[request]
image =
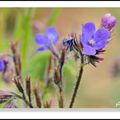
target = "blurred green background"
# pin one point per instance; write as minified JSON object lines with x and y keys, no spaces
{"x":98,"y":89}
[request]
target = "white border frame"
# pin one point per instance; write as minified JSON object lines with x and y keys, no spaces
{"x":71,"y":4}
{"x":60,"y":113}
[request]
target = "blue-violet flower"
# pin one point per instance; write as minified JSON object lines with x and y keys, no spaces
{"x":93,"y":41}
{"x":48,"y":39}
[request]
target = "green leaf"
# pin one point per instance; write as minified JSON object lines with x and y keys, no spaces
{"x":37,"y":65}
{"x":18,"y":26}
{"x":56,"y":12}
{"x":27,"y":33}
{"x":70,"y":71}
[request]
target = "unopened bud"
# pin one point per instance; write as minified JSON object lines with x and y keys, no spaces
{"x":108,"y":21}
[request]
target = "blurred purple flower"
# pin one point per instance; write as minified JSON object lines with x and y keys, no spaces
{"x":108,"y":21}
{"x":48,"y":39}
{"x":93,"y":41}
{"x":36,"y":26}
{"x":115,"y":67}
{"x":7,"y":67}
{"x":2,"y":65}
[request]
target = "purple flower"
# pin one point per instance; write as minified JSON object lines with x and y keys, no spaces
{"x":48,"y":39}
{"x":108,"y":21}
{"x":93,"y":41}
{"x":2,"y":65}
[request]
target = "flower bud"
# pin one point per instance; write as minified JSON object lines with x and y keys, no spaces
{"x":108,"y":21}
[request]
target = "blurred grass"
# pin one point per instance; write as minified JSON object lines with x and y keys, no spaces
{"x":53,"y":17}
{"x":27,"y":33}
{"x":18,"y":26}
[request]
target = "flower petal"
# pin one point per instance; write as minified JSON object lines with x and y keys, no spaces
{"x":88,"y":50}
{"x":42,"y":48}
{"x":41,"y":39}
{"x":100,"y":45}
{"x":101,"y":36}
{"x":2,"y":65}
{"x":83,"y":39}
{"x":52,"y":34}
{"x":88,"y":30}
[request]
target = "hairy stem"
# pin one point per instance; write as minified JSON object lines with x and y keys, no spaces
{"x":77,"y":83}
{"x":61,"y":100}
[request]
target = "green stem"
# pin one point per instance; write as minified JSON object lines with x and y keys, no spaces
{"x":61,"y":101}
